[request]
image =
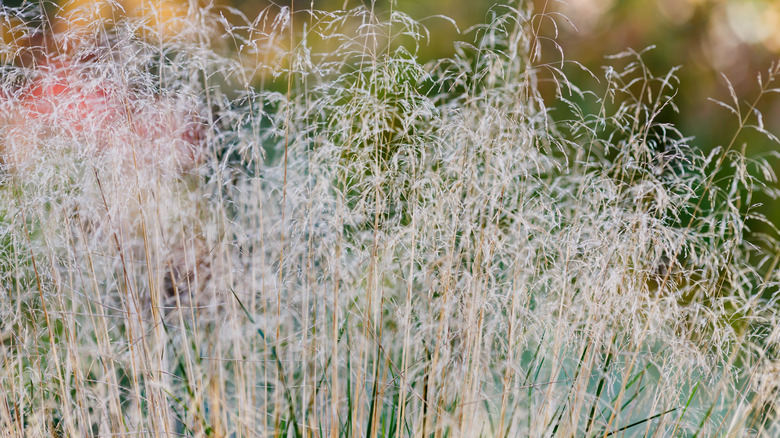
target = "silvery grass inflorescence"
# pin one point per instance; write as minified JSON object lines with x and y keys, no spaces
{"x":293,"y":227}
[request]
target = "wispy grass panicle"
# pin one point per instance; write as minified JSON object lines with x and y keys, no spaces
{"x":292,"y":226}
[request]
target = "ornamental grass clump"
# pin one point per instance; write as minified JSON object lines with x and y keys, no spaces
{"x":293,"y":227}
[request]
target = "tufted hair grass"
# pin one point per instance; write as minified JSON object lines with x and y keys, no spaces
{"x":291,"y":226}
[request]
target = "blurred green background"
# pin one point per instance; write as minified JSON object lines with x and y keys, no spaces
{"x":707,"y":39}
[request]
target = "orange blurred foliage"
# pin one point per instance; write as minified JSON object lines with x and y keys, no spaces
{"x":162,"y":18}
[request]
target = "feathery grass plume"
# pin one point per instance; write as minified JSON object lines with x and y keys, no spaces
{"x":293,"y":227}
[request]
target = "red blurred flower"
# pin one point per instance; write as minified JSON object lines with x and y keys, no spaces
{"x":69,"y":99}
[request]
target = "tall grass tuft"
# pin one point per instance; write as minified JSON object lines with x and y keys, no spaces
{"x":293,"y":227}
